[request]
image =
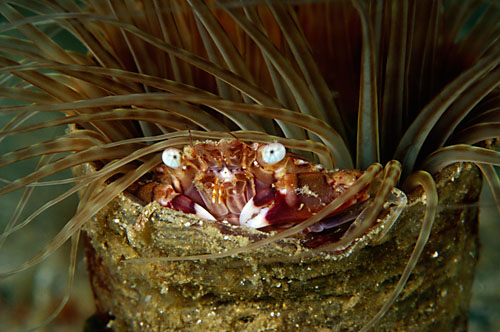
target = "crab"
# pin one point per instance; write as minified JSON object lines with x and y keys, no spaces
{"x":255,"y":185}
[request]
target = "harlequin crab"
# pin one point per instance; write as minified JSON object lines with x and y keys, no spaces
{"x":255,"y":185}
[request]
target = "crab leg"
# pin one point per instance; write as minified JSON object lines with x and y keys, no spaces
{"x":364,"y":221}
{"x":336,"y":221}
{"x":167,"y":196}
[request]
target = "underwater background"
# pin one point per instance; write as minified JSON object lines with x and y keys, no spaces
{"x":30,"y":297}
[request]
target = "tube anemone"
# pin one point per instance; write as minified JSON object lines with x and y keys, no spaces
{"x":345,"y":83}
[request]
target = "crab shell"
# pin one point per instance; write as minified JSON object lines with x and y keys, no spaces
{"x":254,"y":185}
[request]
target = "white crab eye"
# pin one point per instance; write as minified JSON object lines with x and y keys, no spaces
{"x":272,"y":153}
{"x":171,"y":157}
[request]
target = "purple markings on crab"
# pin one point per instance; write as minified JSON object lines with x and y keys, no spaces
{"x":184,"y":204}
{"x":264,"y":196}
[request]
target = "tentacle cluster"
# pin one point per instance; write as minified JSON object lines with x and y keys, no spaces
{"x":150,"y":75}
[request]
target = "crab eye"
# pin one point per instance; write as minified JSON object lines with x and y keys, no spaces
{"x":272,"y":153}
{"x":171,"y":157}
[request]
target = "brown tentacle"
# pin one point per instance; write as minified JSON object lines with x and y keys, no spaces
{"x":424,"y":179}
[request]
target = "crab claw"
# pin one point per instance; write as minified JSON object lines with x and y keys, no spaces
{"x":254,"y":216}
{"x":184,"y":204}
{"x":255,"y":210}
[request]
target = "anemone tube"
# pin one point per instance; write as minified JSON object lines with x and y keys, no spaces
{"x":348,"y":83}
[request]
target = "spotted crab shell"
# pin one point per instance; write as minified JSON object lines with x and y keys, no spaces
{"x":255,"y":185}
